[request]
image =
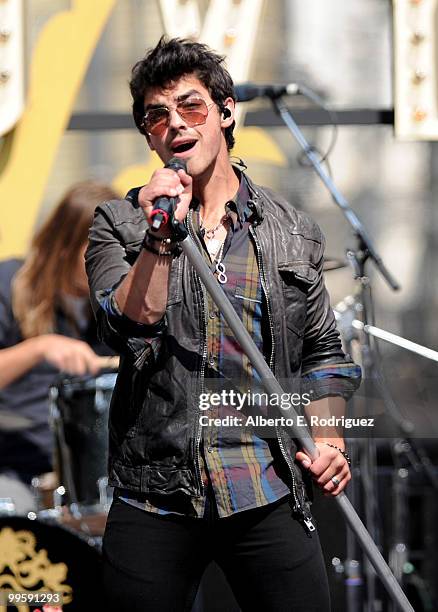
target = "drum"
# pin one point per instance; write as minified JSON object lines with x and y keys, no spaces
{"x":79,"y":415}
{"x":38,"y":556}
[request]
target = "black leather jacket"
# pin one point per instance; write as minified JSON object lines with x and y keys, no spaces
{"x":154,"y":419}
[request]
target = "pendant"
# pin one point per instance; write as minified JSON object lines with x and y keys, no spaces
{"x":221,"y":276}
{"x":213,"y":246}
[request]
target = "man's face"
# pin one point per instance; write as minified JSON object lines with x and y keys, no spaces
{"x":199,"y":145}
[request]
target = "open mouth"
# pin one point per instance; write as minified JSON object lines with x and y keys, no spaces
{"x":183,"y":147}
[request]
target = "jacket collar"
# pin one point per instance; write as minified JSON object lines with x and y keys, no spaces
{"x":255,"y":201}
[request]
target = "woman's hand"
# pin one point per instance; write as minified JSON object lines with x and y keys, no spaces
{"x":69,"y":355}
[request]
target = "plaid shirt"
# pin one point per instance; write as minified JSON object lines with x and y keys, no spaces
{"x":243,"y":473}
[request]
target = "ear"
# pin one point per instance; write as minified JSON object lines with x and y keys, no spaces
{"x":227,"y":116}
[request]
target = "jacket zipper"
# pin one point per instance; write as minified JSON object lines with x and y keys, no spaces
{"x":307,"y":518}
{"x":197,"y":436}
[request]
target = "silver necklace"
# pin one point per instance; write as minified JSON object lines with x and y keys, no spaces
{"x":213,"y":244}
{"x":209,"y":233}
{"x":220,"y":267}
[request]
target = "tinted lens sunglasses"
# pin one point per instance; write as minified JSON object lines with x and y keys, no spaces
{"x":193,"y":110}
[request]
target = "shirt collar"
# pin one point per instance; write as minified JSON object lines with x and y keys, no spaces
{"x":237,"y":207}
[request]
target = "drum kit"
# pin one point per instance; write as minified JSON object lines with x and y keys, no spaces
{"x":57,"y":547}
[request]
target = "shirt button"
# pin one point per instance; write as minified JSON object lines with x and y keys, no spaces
{"x":213,"y":314}
{"x":210,"y":449}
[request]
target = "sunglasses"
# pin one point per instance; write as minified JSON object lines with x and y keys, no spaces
{"x":193,"y":110}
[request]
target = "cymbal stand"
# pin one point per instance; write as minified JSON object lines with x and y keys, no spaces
{"x":405,"y":449}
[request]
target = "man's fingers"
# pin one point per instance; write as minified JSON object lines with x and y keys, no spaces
{"x":331,"y":489}
{"x":304,"y":459}
{"x":164,"y":182}
{"x":330,"y":484}
{"x":185,"y":178}
{"x":328,"y":456}
{"x":146,"y":198}
{"x":327,"y":466}
{"x":318,"y":467}
{"x":334,"y":468}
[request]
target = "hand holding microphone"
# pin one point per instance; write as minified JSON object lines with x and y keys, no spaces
{"x":164,"y":207}
{"x":169,"y":191}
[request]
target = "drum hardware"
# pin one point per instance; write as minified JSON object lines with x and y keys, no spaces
{"x":346,"y":314}
{"x":10,"y":422}
{"x":91,"y":525}
{"x":44,"y":488}
{"x":58,"y":497}
{"x":79,"y":409}
{"x":406,"y":450}
{"x":105,"y":492}
{"x":333,"y":263}
{"x":89,"y":521}
{"x":61,"y":446}
{"x":7,"y":506}
{"x":55,"y":511}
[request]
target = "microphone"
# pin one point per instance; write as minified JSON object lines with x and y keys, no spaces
{"x":164,"y":205}
{"x":248,"y":91}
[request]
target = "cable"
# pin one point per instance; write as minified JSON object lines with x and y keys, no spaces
{"x":318,"y":101}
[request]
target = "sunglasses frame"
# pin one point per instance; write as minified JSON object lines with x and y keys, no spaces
{"x":172,"y":108}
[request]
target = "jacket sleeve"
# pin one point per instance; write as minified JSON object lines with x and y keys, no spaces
{"x":114,"y":242}
{"x":326,"y":369}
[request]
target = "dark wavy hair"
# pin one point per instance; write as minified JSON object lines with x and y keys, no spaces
{"x":172,"y":59}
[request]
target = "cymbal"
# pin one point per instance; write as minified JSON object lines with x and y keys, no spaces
{"x":333,"y":263}
{"x":9,"y":421}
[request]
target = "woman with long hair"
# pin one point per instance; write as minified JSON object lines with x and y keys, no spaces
{"x":46,"y":327}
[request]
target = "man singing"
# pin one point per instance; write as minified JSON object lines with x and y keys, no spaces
{"x":185,"y":494}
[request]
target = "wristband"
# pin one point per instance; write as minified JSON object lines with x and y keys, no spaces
{"x":151,"y":243}
{"x":151,"y":236}
{"x":151,"y":249}
{"x":343,"y":453}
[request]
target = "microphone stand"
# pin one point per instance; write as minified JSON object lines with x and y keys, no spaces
{"x":354,"y":582}
{"x":364,"y":251}
{"x":365,"y":248}
{"x":272,"y":386}
{"x":367,"y":446}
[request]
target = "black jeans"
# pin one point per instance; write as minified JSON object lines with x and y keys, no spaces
{"x":155,"y":563}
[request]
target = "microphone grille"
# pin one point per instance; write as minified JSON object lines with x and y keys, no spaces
{"x":176,"y":163}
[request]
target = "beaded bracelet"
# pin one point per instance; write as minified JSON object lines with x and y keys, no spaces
{"x":343,"y":453}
